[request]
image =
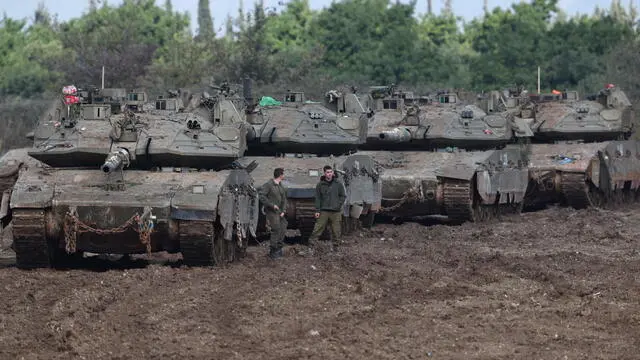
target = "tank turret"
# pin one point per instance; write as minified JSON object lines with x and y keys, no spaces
{"x":159,"y":132}
{"x":562,"y":115}
{"x":298,"y":125}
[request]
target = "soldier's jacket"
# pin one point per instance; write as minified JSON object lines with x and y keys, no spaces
{"x":330,"y":196}
{"x":273,"y":194}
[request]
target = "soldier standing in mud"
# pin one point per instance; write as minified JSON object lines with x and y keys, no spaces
{"x":330,"y":197}
{"x":273,"y":197}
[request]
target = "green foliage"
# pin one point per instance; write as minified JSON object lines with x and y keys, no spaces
{"x":183,"y":61}
{"x":123,"y":39}
{"x":27,"y":57}
{"x":354,"y":41}
{"x":205,"y":22}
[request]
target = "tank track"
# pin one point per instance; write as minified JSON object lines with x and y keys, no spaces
{"x":30,"y":241}
{"x":576,"y":191}
{"x":459,"y":204}
{"x":458,"y":200}
{"x":197,"y":242}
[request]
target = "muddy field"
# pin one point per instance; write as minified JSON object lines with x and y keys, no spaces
{"x":557,"y":284}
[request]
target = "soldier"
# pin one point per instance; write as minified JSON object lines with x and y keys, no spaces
{"x":273,"y":197}
{"x":330,"y":197}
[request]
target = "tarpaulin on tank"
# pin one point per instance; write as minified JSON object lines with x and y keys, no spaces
{"x":269,"y":101}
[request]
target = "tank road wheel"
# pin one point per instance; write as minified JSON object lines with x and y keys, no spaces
{"x":580,"y":194}
{"x":197,"y":242}
{"x":30,"y":240}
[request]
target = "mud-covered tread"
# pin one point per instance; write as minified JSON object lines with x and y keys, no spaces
{"x":458,"y":200}
{"x":197,"y":242}
{"x":575,"y":190}
{"x":29,"y":239}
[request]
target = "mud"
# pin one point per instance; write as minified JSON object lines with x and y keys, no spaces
{"x":556,"y":284}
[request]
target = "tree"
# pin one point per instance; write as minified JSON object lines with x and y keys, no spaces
{"x":28,"y":57}
{"x":182,"y":62}
{"x":205,"y":22}
{"x":123,"y":39}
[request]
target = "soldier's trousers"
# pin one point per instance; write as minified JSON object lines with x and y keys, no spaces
{"x":278,"y":227}
{"x":331,"y":218}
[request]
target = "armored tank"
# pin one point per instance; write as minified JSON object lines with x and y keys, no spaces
{"x":430,"y":165}
{"x":581,"y":153}
{"x":304,"y":144}
{"x":465,"y":186}
{"x":297,"y":125}
{"x":148,"y":177}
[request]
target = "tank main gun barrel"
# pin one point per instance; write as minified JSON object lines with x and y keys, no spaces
{"x":117,"y":159}
{"x":396,"y":135}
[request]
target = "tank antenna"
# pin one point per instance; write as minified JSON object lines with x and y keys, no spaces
{"x":103,"y":76}
{"x":538,"y":80}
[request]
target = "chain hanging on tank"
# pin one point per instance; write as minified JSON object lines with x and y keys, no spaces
{"x":142,"y":224}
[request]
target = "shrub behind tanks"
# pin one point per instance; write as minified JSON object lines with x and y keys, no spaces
{"x":123,"y":182}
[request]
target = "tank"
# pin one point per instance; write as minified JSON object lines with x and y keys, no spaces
{"x":429,"y":158}
{"x":581,"y":155}
{"x":149,"y":177}
{"x":471,"y":186}
{"x":297,"y":125}
{"x":303,"y":141}
{"x":358,"y":173}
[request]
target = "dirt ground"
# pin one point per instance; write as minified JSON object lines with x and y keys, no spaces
{"x":556,"y":284}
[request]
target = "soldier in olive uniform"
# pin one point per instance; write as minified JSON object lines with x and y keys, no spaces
{"x":330,"y":197}
{"x":273,"y":197}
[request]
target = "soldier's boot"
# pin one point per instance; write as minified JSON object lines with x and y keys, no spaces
{"x":275,"y":253}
